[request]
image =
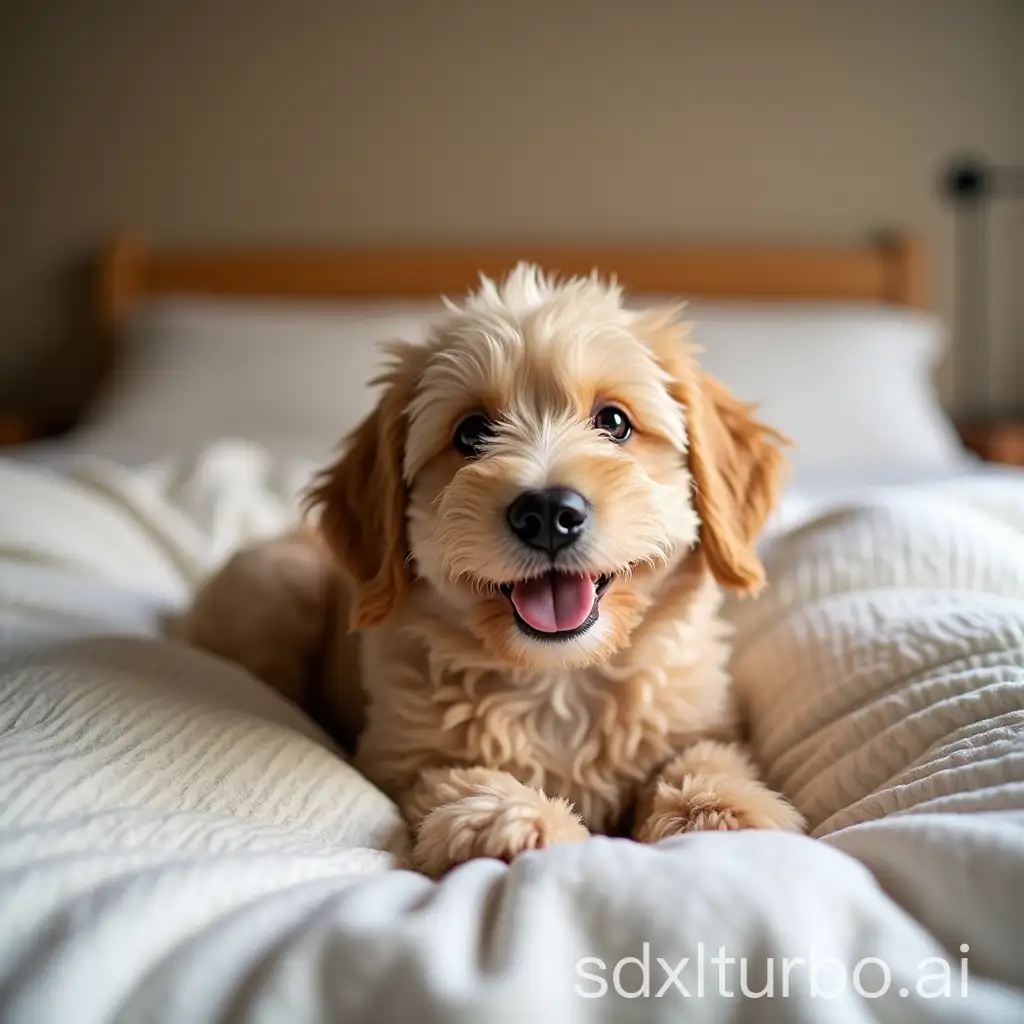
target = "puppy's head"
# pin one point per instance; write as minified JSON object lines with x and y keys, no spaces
{"x":543,"y":465}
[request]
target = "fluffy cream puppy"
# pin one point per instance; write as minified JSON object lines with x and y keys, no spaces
{"x":529,"y":537}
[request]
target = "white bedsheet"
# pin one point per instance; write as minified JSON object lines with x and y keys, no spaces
{"x":178,"y":844}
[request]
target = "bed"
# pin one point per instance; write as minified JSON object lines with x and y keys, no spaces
{"x":177,"y":843}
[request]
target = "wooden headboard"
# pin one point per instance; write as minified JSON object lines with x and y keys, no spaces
{"x":890,"y":271}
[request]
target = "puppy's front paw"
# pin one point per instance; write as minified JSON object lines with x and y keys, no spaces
{"x":703,"y":803}
{"x":496,"y":825}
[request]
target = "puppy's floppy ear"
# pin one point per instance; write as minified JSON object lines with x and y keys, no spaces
{"x":737,"y":464}
{"x":361,"y":499}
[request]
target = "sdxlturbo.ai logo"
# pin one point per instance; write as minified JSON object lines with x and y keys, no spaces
{"x":822,"y":977}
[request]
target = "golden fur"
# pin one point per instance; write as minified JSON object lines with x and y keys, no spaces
{"x":492,"y":741}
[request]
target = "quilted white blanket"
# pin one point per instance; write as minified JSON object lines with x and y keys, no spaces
{"x":178,"y":844}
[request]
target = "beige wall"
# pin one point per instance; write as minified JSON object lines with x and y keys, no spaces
{"x":324,"y":120}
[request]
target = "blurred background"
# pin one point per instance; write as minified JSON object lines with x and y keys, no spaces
{"x":333,"y":121}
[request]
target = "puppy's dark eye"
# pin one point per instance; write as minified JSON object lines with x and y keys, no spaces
{"x":471,"y":434}
{"x":614,"y":422}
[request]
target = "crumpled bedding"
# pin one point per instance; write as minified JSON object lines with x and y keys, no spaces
{"x":177,"y":843}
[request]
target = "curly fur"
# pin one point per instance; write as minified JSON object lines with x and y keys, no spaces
{"x":492,"y":741}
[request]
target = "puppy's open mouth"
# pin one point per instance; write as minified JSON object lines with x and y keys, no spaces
{"x":557,"y":605}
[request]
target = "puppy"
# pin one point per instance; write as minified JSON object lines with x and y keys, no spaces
{"x":530,"y":537}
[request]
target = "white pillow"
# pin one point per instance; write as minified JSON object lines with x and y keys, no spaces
{"x":292,"y":377}
{"x":850,"y":385}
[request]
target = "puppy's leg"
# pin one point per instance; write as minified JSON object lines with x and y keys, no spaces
{"x":268,"y":610}
{"x":458,"y":814}
{"x":711,"y":785}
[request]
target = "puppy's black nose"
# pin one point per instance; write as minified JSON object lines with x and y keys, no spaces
{"x":548,"y":520}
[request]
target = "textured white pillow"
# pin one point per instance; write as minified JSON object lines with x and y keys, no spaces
{"x":850,"y":384}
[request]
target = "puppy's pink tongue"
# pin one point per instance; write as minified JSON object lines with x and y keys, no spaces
{"x":555,"y":603}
